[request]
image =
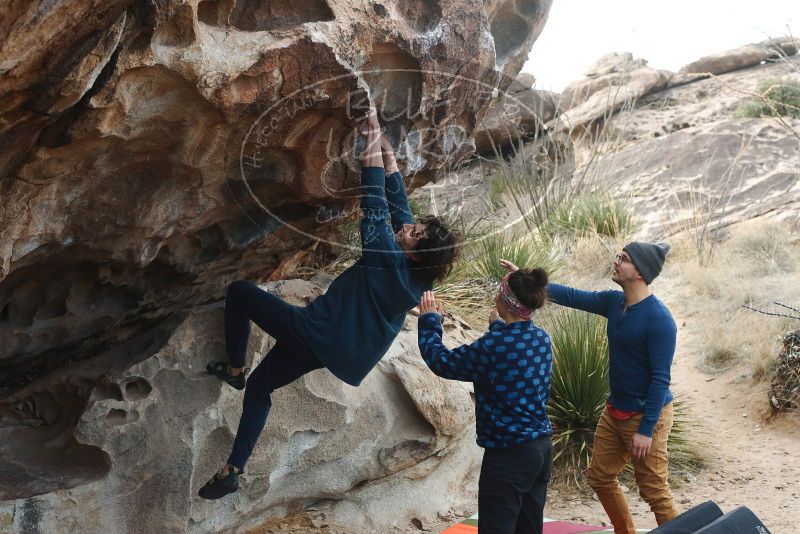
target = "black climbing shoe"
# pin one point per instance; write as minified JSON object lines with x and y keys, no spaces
{"x":220,"y":370}
{"x":218,"y":487}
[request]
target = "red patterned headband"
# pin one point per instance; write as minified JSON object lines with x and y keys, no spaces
{"x":510,"y":300}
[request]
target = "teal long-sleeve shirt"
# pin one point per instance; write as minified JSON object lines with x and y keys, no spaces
{"x":354,"y":323}
{"x":641,"y":346}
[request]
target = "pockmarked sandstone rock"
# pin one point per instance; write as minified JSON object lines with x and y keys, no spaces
{"x":153,"y":152}
{"x":123,"y":442}
{"x":695,"y":101}
{"x":683,"y":148}
{"x":611,"y":69}
{"x":750,"y":165}
{"x":618,"y":80}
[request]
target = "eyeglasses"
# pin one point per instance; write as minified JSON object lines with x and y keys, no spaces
{"x":619,"y":258}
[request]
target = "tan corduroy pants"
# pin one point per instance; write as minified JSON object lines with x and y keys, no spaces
{"x":610,"y":454}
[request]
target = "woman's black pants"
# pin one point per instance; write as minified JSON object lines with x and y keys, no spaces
{"x":513,"y":488}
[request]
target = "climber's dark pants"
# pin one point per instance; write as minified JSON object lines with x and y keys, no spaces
{"x":288,"y":360}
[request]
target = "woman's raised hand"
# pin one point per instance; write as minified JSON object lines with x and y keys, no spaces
{"x":508,"y":266}
{"x":428,"y":304}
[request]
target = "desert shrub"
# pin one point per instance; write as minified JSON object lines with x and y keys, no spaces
{"x":713,"y":283}
{"x":784,"y":391}
{"x":419,"y":206}
{"x":537,"y":180}
{"x":592,"y":214}
{"x":730,"y":334}
{"x":497,"y":189}
{"x":754,"y":267}
{"x":762,"y":248}
{"x":518,"y":247}
{"x":776,"y":98}
{"x":592,"y":256}
{"x":470,"y":289}
{"x":717,"y":357}
{"x":346,"y":252}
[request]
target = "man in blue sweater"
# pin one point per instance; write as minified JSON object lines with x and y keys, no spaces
{"x":638,"y":414}
{"x":349,"y":328}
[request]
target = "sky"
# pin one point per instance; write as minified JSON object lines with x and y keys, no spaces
{"x":667,"y":34}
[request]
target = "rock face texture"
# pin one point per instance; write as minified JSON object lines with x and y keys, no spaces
{"x":124,"y":448}
{"x":617,"y":81}
{"x":151,"y":152}
{"x":744,"y":56}
{"x":674,"y":146}
{"x":612,"y":82}
{"x":727,"y":171}
{"x":683,"y":150}
{"x":520,"y":113}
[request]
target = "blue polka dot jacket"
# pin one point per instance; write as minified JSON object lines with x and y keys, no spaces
{"x":510,"y":368}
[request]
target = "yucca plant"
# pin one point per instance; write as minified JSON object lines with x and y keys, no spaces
{"x":578,"y":386}
{"x":497,"y":188}
{"x":593,"y":214}
{"x":519,"y":248}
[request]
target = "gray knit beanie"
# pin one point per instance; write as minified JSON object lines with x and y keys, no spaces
{"x":648,"y":258}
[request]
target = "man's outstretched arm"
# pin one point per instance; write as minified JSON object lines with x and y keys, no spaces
{"x":396,"y":195}
{"x":376,"y":236}
{"x":589,"y":301}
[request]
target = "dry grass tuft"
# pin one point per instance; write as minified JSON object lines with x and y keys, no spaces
{"x":755,"y":266}
{"x":592,"y":256}
{"x":762,"y":248}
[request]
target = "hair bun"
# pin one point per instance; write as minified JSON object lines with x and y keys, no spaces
{"x":535,"y":277}
{"x":529,"y":286}
{"x":540,"y":276}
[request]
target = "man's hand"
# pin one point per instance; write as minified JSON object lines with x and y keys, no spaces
{"x":372,"y":156}
{"x":494,"y":316}
{"x":640,"y":446}
{"x":372,"y":117}
{"x":369,"y":123}
{"x":428,"y":304}
{"x":389,"y":161}
{"x":508,"y":266}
